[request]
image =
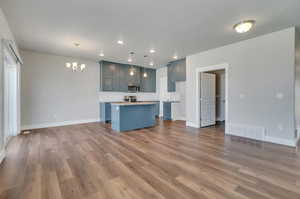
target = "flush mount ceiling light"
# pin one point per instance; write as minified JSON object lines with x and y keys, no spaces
{"x":75,"y":67}
{"x":76,"y":44}
{"x":101,"y":54}
{"x":120,"y":42}
{"x":244,"y":26}
{"x":152,"y":51}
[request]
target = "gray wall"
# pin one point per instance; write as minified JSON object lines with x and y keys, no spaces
{"x":262,"y":70}
{"x":52,"y":94}
{"x":5,"y":33}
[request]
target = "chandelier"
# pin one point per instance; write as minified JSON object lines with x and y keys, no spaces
{"x":76,"y":67}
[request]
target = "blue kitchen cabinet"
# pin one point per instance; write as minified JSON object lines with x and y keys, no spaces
{"x":107,"y":84}
{"x":117,"y":77}
{"x":108,"y":76}
{"x":105,"y":111}
{"x":123,"y":78}
{"x":157,"y":108}
{"x":148,"y":82}
{"x":171,"y":78}
{"x":131,"y":117}
{"x":152,"y":80}
{"x":133,"y":73}
{"x":176,"y":72}
{"x":167,"y":111}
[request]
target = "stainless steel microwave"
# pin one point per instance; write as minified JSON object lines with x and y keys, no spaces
{"x":133,"y":88}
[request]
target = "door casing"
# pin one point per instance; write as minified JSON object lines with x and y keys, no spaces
{"x":199,"y":70}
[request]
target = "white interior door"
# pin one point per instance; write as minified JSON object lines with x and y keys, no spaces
{"x":207,"y":99}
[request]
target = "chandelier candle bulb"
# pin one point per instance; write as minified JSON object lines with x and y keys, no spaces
{"x":68,"y":65}
{"x":82,"y":67}
{"x":75,"y":66}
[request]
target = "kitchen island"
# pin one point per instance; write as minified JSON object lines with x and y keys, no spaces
{"x":126,"y":116}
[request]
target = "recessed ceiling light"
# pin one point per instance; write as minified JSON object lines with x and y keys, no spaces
{"x":120,"y":42}
{"x":129,"y":60}
{"x":175,"y":57}
{"x":101,"y":54}
{"x":151,"y":63}
{"x":244,"y":26}
{"x":152,"y":51}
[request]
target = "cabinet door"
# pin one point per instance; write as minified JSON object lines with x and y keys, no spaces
{"x":107,"y":69}
{"x":152,"y":80}
{"x":116,"y":77}
{"x":171,"y":78}
{"x":123,"y":77}
{"x":143,"y":80}
{"x":137,"y":76}
{"x":181,"y":70}
{"x":134,"y":79}
{"x":107,"y":84}
{"x":148,"y":83}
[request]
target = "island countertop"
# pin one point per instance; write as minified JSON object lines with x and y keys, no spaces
{"x":132,"y":103}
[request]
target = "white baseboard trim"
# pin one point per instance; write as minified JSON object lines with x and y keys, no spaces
{"x":179,"y":118}
{"x":298,"y":136}
{"x":281,"y":141}
{"x":55,"y":124}
{"x":274,"y":140}
{"x":2,"y":155}
{"x":191,"y":124}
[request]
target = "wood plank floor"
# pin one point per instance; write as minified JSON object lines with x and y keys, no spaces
{"x":169,"y":161}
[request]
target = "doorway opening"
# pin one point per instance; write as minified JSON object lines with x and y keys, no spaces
{"x":11,"y":81}
{"x":212,"y":92}
{"x":212,"y":98}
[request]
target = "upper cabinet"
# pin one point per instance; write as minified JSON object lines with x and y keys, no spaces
{"x":117,"y":77}
{"x":176,"y":72}
{"x":133,"y":73}
{"x":148,"y":80}
{"x":109,"y":73}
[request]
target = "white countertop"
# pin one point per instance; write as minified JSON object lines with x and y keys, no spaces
{"x":132,"y":103}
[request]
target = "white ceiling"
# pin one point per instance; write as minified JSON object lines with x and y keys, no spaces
{"x":171,"y":27}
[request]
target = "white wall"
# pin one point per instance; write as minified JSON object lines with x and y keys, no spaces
{"x":261,"y":83}
{"x":52,"y":94}
{"x":297,"y":87}
{"x":6,"y":34}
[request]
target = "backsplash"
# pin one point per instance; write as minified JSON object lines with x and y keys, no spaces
{"x":119,"y":96}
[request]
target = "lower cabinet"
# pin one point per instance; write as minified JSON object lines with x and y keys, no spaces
{"x":105,"y":111}
{"x":167,"y":108}
{"x":157,"y":104}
